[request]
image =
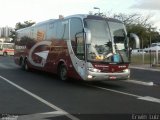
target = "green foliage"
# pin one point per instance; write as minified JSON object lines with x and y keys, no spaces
{"x":13,"y":35}
{"x":140,"y":25}
{"x":18,"y":26}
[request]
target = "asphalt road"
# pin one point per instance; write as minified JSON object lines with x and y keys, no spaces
{"x":39,"y":96}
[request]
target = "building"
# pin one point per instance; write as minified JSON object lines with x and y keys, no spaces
{"x":5,"y":32}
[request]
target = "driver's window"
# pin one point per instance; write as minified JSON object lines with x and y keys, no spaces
{"x":76,"y":36}
{"x":80,"y":46}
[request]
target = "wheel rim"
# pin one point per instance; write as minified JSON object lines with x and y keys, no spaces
{"x":5,"y":54}
{"x":26,"y":65}
{"x":63,"y":73}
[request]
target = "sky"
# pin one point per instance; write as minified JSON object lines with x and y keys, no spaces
{"x":14,"y":11}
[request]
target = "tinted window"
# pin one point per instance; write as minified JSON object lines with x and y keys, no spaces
{"x":51,"y":31}
{"x":76,"y":27}
{"x":77,"y":41}
{"x":62,"y":30}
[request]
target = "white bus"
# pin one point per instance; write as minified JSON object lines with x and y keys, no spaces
{"x":6,"y":49}
{"x":83,"y":47}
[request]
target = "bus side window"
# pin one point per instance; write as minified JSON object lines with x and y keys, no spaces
{"x":62,"y":30}
{"x":51,"y":31}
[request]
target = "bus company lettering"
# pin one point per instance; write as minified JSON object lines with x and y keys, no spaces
{"x":20,"y":47}
{"x":122,"y":66}
{"x":101,"y":66}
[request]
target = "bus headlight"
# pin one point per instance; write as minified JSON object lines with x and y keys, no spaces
{"x":94,"y":70}
{"x":126,"y":70}
{"x":90,"y":76}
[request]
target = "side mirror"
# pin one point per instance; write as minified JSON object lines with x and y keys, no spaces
{"x":134,"y":37}
{"x":88,"y":36}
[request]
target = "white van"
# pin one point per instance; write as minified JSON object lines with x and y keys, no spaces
{"x":138,"y":51}
{"x":155,"y":44}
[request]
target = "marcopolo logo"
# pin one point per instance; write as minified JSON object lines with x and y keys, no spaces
{"x":41,"y":53}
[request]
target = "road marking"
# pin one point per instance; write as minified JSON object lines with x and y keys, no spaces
{"x":40,"y":99}
{"x":41,"y":116}
{"x":148,"y":98}
{"x":116,"y":91}
{"x":140,"y":82}
{"x":54,"y":112}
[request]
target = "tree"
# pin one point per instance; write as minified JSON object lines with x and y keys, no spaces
{"x":136,"y":23}
{"x":18,"y":26}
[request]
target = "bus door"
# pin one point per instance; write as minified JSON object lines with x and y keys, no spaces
{"x":76,"y":43}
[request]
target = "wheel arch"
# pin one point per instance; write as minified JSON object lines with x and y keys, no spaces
{"x":60,"y":63}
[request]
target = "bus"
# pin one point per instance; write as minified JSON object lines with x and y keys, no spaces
{"x":82,"y":47}
{"x":6,"y":48}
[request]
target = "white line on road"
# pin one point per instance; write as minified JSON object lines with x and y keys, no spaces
{"x":115,"y":91}
{"x":146,"y":98}
{"x":140,"y":82}
{"x":41,"y":116}
{"x":40,"y":99}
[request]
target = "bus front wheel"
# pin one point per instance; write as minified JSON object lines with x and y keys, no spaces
{"x":62,"y":72}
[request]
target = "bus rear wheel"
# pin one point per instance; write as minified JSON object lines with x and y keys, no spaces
{"x":26,"y":67}
{"x":24,"y":64}
{"x":62,"y":72}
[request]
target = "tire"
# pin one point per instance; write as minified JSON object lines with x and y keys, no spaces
{"x":62,"y":72}
{"x":21,"y":63}
{"x":25,"y":65}
{"x":5,"y":54}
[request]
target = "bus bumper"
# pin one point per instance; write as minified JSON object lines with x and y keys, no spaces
{"x":99,"y":76}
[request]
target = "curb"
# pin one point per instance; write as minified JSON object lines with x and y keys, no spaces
{"x":145,"y":68}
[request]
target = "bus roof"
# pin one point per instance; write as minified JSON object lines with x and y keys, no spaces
{"x":82,"y":16}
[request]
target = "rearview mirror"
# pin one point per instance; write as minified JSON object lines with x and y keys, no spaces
{"x":136,"y":41}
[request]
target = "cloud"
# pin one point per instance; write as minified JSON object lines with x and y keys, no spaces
{"x":147,"y":4}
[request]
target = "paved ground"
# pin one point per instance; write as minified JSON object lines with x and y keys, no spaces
{"x":40,"y":96}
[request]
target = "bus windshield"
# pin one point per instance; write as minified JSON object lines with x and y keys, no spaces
{"x":119,"y":35}
{"x":102,"y":46}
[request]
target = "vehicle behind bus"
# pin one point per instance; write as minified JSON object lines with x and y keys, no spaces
{"x":6,"y":49}
{"x":83,"y":47}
